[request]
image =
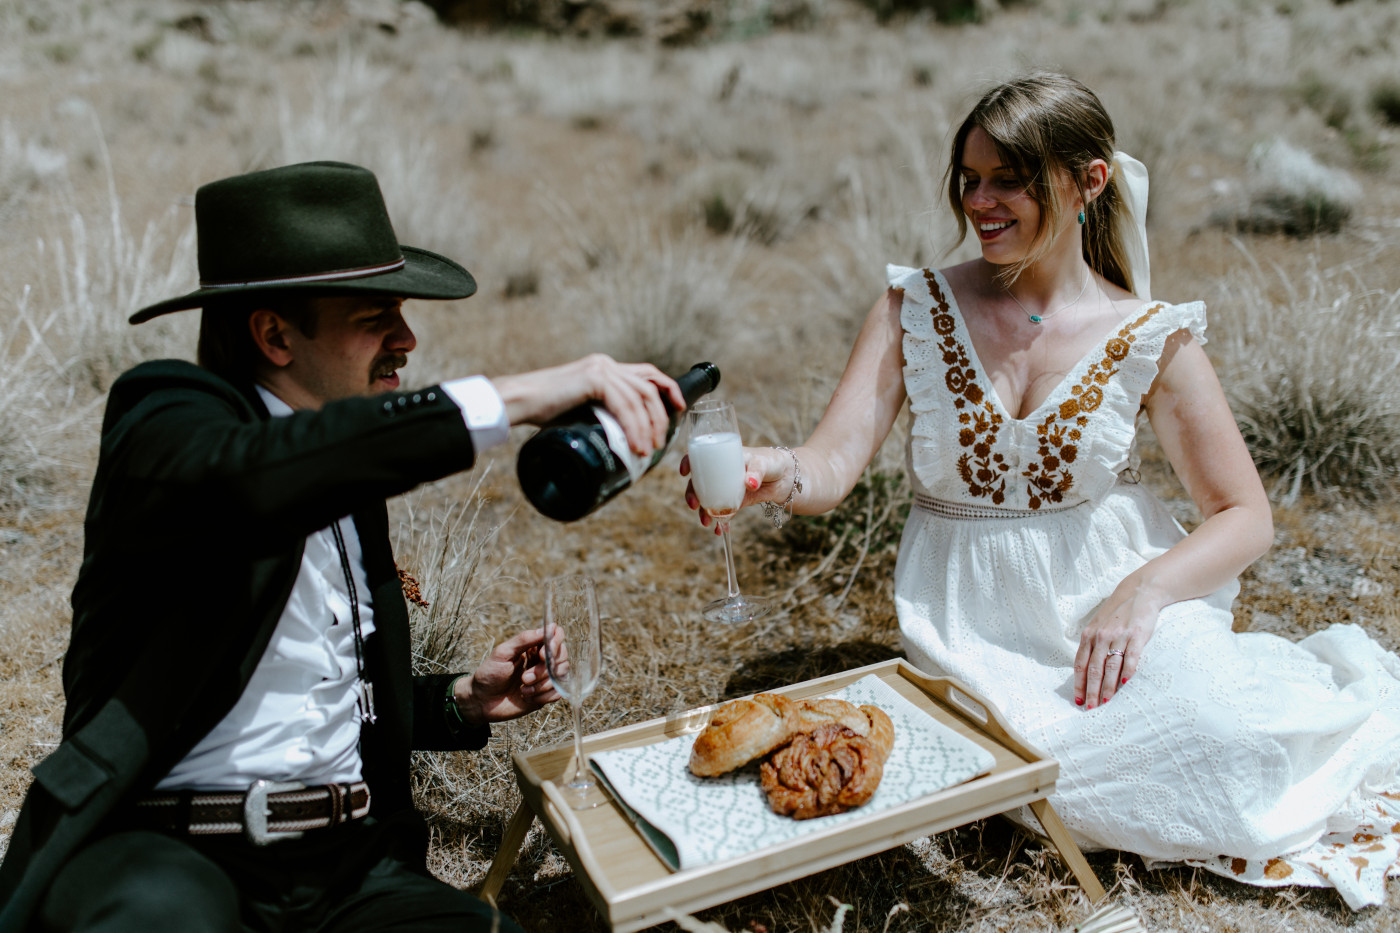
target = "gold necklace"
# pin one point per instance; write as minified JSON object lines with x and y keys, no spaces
{"x":1040,"y":318}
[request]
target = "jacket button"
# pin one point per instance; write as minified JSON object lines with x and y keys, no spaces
{"x":417,"y":398}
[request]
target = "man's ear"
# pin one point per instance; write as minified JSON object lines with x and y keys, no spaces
{"x":269,"y":332}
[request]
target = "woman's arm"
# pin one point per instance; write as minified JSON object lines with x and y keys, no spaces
{"x":1197,"y":432}
{"x":857,"y":420}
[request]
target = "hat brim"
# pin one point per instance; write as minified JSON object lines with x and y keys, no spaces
{"x":424,"y":274}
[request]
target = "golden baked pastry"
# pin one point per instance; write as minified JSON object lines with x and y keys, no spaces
{"x":881,"y":732}
{"x":740,"y":731}
{"x":828,"y":756}
{"x":813,"y":713}
{"x":829,"y":770}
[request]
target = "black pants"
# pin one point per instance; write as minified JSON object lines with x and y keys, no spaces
{"x":343,"y":880}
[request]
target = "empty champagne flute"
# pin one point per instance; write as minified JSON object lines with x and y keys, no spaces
{"x":717,"y":472}
{"x":573,"y":653}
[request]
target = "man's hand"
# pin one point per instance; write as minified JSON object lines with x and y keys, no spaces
{"x":510,"y":682}
{"x":632,"y":392}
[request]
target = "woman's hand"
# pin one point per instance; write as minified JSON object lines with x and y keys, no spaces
{"x":1112,"y":643}
{"x":767,"y":478}
{"x":1197,"y":432}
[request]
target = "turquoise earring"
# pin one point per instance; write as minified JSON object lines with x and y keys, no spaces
{"x":1081,"y":218}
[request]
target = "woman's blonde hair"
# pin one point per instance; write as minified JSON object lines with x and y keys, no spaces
{"x":1043,"y":124}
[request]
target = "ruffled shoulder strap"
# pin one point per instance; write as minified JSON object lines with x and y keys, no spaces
{"x":903,"y":276}
{"x":1173,"y":318}
{"x":925,"y":318}
{"x":1141,"y":339}
{"x":1109,"y":394}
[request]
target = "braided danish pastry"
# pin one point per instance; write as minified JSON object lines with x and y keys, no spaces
{"x":829,"y":770}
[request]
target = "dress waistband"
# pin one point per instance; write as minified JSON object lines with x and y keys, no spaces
{"x":967,"y":511}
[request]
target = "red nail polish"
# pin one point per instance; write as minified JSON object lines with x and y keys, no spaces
{"x":1123,"y":681}
{"x":1078,"y":701}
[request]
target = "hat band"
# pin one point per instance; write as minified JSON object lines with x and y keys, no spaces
{"x":319,"y":277}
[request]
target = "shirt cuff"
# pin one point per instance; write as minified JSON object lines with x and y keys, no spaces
{"x":482,"y":410}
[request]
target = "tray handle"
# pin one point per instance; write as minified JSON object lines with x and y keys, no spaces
{"x":568,"y":833}
{"x":976,"y":707}
{"x":968,"y":705}
{"x":557,"y":813}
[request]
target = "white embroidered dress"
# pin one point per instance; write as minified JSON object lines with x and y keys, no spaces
{"x":1226,"y":750}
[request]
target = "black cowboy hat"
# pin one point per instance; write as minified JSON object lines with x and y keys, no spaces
{"x":316,"y":226}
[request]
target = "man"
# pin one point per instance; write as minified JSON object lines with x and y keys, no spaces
{"x":240,"y":709}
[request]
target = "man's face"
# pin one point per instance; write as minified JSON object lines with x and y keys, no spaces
{"x":360,"y":342}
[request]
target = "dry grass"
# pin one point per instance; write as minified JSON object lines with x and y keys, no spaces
{"x":736,"y":201}
{"x":1316,"y":419}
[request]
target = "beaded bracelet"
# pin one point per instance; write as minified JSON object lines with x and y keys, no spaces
{"x":779,"y":514}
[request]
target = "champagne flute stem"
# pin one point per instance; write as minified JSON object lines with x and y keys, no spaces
{"x":729,"y":559}
{"x":580,"y":777}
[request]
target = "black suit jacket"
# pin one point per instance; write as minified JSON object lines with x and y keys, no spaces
{"x":193,"y":538}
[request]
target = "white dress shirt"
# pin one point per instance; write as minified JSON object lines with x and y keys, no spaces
{"x":297,"y":719}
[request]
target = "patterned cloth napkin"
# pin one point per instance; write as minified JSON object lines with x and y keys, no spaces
{"x":690,"y":821}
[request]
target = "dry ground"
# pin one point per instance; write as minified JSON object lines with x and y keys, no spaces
{"x":732,"y":201}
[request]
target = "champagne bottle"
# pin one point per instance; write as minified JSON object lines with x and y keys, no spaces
{"x":580,"y":460}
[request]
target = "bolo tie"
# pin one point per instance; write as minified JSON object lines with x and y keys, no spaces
{"x":364,"y":690}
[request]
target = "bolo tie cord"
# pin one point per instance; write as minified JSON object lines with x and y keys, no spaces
{"x":366,"y":690}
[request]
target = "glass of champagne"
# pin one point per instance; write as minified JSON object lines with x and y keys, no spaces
{"x":573,"y":653}
{"x":717,"y":473}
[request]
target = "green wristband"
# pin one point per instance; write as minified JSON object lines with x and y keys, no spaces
{"x":450,"y":701}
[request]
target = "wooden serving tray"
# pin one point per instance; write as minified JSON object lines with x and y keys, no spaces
{"x":633,"y":889}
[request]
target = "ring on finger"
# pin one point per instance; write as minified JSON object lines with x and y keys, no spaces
{"x":1115,"y":651}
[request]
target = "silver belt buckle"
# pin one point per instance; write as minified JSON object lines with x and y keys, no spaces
{"x":255,"y":812}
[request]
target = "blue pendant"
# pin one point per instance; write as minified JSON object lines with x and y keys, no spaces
{"x":1036,"y":318}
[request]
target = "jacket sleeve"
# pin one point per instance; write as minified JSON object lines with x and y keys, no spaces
{"x":435,"y":728}
{"x":174,"y":431}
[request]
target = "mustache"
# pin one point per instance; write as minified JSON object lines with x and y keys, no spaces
{"x":388,"y":365}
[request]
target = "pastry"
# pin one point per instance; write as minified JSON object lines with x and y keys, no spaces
{"x":815,"y":712}
{"x":740,"y":731}
{"x":829,"y":770}
{"x":823,"y":756}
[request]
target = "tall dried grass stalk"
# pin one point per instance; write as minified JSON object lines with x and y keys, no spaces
{"x":38,"y":413}
{"x":450,"y":551}
{"x":1311,"y":358}
{"x":892,"y":209}
{"x":348,"y":117}
{"x":641,"y":291}
{"x":66,"y":337}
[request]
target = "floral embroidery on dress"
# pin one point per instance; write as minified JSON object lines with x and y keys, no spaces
{"x":980,"y":466}
{"x":1049,"y":478}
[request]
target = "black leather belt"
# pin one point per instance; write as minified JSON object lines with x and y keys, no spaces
{"x":268,"y":811}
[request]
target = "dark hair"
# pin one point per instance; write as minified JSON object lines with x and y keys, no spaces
{"x":1044,"y":124}
{"x":226,"y":346}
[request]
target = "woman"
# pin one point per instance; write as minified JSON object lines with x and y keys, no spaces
{"x":1035,"y":569}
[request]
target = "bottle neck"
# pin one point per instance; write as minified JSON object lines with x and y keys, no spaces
{"x":698,"y":381}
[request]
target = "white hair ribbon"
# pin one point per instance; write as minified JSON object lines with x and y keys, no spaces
{"x":1133,"y":186}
